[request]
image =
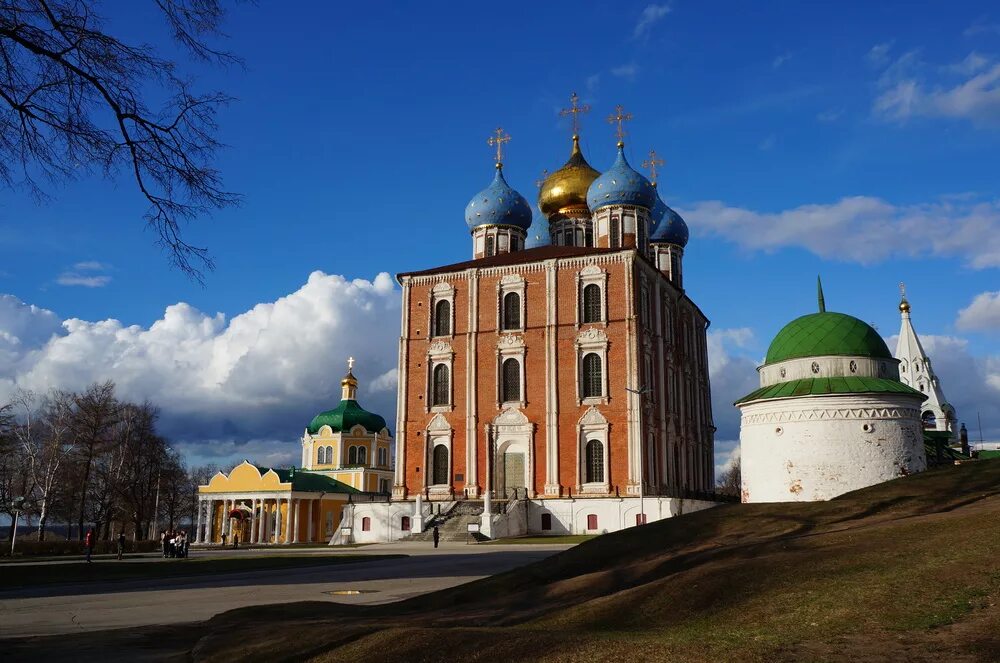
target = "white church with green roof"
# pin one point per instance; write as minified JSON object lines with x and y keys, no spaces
{"x":831,"y":414}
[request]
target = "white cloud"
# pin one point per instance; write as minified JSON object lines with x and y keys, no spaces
{"x":651,"y":15}
{"x":983,"y":314}
{"x":262,"y":375}
{"x":727,"y":452}
{"x":74,"y":278}
{"x":982,"y":28}
{"x":626,"y":71}
{"x":767,"y":143}
{"x":732,"y":376}
{"x":908,"y":89}
{"x":592,"y":82}
{"x":780,"y":60}
{"x":879,"y":54}
{"x":862,"y":229}
{"x":86,"y":274}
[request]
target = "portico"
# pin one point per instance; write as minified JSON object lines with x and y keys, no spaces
{"x":256,"y":505}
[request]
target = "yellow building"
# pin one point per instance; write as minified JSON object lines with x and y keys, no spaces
{"x":346,"y":453}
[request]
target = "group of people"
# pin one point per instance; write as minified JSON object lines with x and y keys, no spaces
{"x":175,"y":544}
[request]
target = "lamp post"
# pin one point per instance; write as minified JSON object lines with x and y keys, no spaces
{"x":639,"y":392}
{"x":16,"y":507}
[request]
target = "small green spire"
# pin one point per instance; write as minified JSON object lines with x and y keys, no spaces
{"x":819,"y":294}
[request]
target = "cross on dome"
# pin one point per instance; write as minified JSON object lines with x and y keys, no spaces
{"x":575,"y":110}
{"x":350,"y":364}
{"x":651,"y":163}
{"x":498,"y":140}
{"x":620,"y":116}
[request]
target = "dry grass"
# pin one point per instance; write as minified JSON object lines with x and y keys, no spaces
{"x":901,"y":571}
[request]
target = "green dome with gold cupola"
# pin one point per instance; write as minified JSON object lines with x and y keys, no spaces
{"x":348,"y":412}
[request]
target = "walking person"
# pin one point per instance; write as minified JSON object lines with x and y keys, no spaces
{"x":88,"y":543}
{"x":163,"y":543}
{"x":121,"y":545}
{"x":437,"y":536}
{"x":236,"y":540}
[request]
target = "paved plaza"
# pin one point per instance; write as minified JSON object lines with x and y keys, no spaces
{"x":99,"y":605}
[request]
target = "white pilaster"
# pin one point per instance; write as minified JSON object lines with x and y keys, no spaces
{"x":295,"y":521}
{"x":551,"y":382}
{"x":471,"y":395}
{"x":253,"y":520}
{"x":399,"y":489}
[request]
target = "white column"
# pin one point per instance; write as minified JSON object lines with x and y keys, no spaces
{"x":253,"y":520}
{"x":197,"y":531}
{"x":265,"y":517}
{"x":277,"y":519}
{"x":309,"y":515}
{"x":295,"y":528}
{"x":224,"y":530}
{"x":398,"y":490}
{"x":210,"y":525}
{"x":289,"y":514}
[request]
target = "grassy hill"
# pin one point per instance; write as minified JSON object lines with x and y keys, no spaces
{"x":909,"y":570}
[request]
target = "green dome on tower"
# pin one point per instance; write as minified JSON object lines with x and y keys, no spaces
{"x":826,"y":334}
{"x":348,"y":413}
{"x":345,"y":416}
{"x":822,"y":334}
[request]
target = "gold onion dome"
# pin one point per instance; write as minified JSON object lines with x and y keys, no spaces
{"x":565,"y":190}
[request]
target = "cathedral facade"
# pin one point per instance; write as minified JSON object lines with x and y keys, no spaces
{"x":572,"y":371}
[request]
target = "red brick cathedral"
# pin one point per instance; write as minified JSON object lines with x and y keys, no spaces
{"x":577,"y":369}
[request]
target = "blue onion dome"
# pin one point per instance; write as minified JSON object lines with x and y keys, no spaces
{"x":621,"y":185}
{"x":498,"y":204}
{"x":668,"y":226}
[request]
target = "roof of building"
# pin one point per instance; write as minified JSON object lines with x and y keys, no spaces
{"x":547,"y":252}
{"x":310,"y":482}
{"x":567,"y":187}
{"x":539,"y":254}
{"x":826,"y":333}
{"x":621,"y":184}
{"x":346,"y":416}
{"x":848,"y":384}
{"x":499,"y":204}
{"x":668,"y":226}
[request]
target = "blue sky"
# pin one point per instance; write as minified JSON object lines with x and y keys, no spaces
{"x":857,"y":140}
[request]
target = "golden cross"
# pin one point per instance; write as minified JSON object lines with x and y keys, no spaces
{"x":499,"y":139}
{"x":545,"y":174}
{"x":350,"y":364}
{"x":620,"y":116}
{"x":902,"y":289}
{"x":575,"y":110}
{"x":652,"y":162}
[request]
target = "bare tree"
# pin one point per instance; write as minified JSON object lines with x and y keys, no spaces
{"x":44,"y":433}
{"x":729,"y":482}
{"x":72,"y":100}
{"x":96,"y":415}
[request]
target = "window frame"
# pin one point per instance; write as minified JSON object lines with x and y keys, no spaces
{"x":592,"y":275}
{"x":505,"y":380}
{"x":434,"y":464}
{"x":511,"y":283}
{"x":507,"y":312}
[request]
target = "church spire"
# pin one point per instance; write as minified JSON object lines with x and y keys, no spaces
{"x":915,"y":370}
{"x":819,"y":294}
{"x":349,"y":385}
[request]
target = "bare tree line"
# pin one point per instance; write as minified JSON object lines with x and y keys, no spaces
{"x":88,"y":459}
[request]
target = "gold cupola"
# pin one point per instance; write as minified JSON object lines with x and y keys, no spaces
{"x":564,"y":192}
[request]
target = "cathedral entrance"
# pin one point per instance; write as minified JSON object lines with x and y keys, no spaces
{"x":513,"y":473}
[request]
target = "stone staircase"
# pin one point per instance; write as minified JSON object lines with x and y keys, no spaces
{"x":453,"y":525}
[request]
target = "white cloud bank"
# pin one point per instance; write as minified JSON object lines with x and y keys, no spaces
{"x":221,"y":385}
{"x":650,"y":16}
{"x":907,"y":88}
{"x":983,"y":314}
{"x":862,"y":229}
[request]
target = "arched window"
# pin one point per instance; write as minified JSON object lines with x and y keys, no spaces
{"x":512,"y":311}
{"x":366,"y":524}
{"x":592,"y":303}
{"x":615,"y":238}
{"x":362,"y":455}
{"x":489,"y":246}
{"x":440,"y":391}
{"x":929,"y":418}
{"x":511,"y":380}
{"x":442,"y":318}
{"x":440,"y":464}
{"x":595,"y":462}
{"x":352,"y":456}
{"x":382,"y":458}
{"x":321,"y":456}
{"x":592,"y":382}
{"x":404,"y":523}
{"x":515,"y":243}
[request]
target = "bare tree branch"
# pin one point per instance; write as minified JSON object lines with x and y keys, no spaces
{"x":71,"y":101}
